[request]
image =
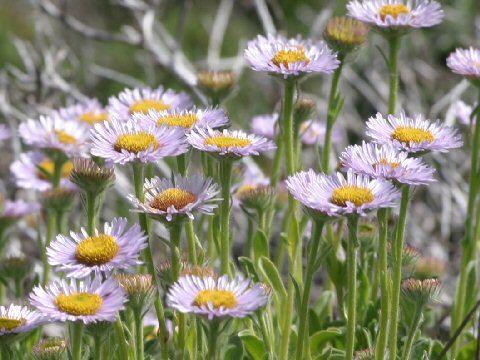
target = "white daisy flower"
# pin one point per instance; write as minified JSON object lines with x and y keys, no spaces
{"x":15,"y":209}
{"x":80,"y":254}
{"x":90,"y":112}
{"x":464,"y":113}
{"x":18,"y":320}
{"x":86,"y":300}
{"x":466,"y":62}
{"x":265,"y":124}
{"x":216,"y":297}
{"x":313,"y":133}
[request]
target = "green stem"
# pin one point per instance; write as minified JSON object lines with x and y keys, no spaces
{"x":381,"y":346}
{"x":394,"y":44}
{"x":265,"y":334}
{"x":211,"y":238}
{"x":250,"y":234}
{"x":225,"y":180}
{"x":57,"y":172}
{"x":182,"y":164}
{"x":91,"y":212}
{"x":97,"y":340}
{"x":397,"y":270}
{"x":18,"y":288}
{"x":175,"y":239}
{"x":310,"y":271}
{"x":352,"y":246}
{"x":182,"y":335}
{"x":411,"y":332}
{"x":76,"y":340}
{"x":192,"y":249}
{"x":138,"y":318}
{"x":4,"y":349}
{"x":50,"y":234}
{"x":122,"y":341}
{"x":61,"y":217}
{"x":332,"y":115}
{"x":212,"y":340}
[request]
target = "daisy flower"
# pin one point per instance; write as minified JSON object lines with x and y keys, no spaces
{"x":463,"y":112}
{"x":186,"y":119}
{"x":90,"y":112}
{"x":265,"y":124}
{"x":18,"y":208}
{"x":121,"y":142}
{"x":216,"y":297}
{"x":80,"y":254}
{"x":313,"y":132}
{"x":337,"y":195}
{"x":388,"y":163}
{"x":397,"y":14}
{"x":18,"y":320}
{"x":466,"y":62}
{"x":290,"y":57}
{"x":88,"y":300}
{"x":5,"y":133}
{"x":67,"y":136}
{"x":412,"y":134}
{"x":167,"y":198}
{"x":143,"y":100}
{"x":34,"y":170}
{"x":234,"y":143}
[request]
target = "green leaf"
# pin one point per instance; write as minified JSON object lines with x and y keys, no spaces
{"x":235,"y":349}
{"x":248,"y":267}
{"x":260,"y":246}
{"x":271,"y":275}
{"x":253,"y":344}
{"x":320,"y":338}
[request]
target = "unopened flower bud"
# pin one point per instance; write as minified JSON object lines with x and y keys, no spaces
{"x":16,"y":268}
{"x":216,"y":84}
{"x":139,"y":289}
{"x":58,"y":199}
{"x":420,"y":291}
{"x":345,"y":34}
{"x":366,"y":354}
{"x":50,"y":349}
{"x":256,"y":197}
{"x":90,"y":177}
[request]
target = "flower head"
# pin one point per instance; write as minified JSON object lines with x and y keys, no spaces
{"x":90,"y":177}
{"x":216,"y":84}
{"x":167,"y":198}
{"x":420,"y":291}
{"x":396,"y":14}
{"x":89,"y":112}
{"x":186,"y":119}
{"x":17,"y":320}
{"x":143,"y":100}
{"x":5,"y":132}
{"x":88,"y":301}
{"x":15,"y":209}
{"x":264,"y":125}
{"x":337,"y":195}
{"x":226,"y":143}
{"x":313,"y":132}
{"x":388,"y":163}
{"x":290,"y":57}
{"x":345,"y":34}
{"x":216,"y":297}
{"x":464,"y":113}
{"x":126,"y":141}
{"x":412,"y":134}
{"x":466,"y":62}
{"x":54,"y":133}
{"x":81,"y":254}
{"x":50,"y":349}
{"x":35,"y":170}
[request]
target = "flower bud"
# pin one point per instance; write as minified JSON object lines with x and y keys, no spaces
{"x":217,"y":85}
{"x":90,"y":177}
{"x":420,"y":291}
{"x":58,"y":199}
{"x":366,"y":354}
{"x":139,"y":289}
{"x":16,"y":268}
{"x":50,"y":349}
{"x":345,"y":34}
{"x":256,"y":197}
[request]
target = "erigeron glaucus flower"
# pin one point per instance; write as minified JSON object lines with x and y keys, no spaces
{"x":337,"y":195}
{"x":265,"y":124}
{"x":81,"y":254}
{"x":55,"y":133}
{"x":5,"y":133}
{"x":16,"y":320}
{"x":87,"y":300}
{"x":313,"y":132}
{"x":466,"y":62}
{"x":388,"y":163}
{"x":412,"y":134}
{"x":121,"y":142}
{"x":143,"y":100}
{"x":89,"y":112}
{"x":167,"y":198}
{"x":464,"y":112}
{"x":216,"y":297}
{"x":186,"y":119}
{"x":15,"y":209}
{"x":290,"y":57}
{"x":35,"y":170}
{"x":228,"y":143}
{"x":397,"y":14}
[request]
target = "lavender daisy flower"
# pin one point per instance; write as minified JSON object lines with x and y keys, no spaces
{"x":5,"y":133}
{"x":233,"y":144}
{"x":18,"y":209}
{"x":337,"y":195}
{"x":464,"y":113}
{"x":80,"y":254}
{"x":216,"y":297}
{"x":264,"y":125}
{"x":290,"y":57}
{"x":16,"y":321}
{"x":413,"y":134}
{"x":88,"y":300}
{"x":186,"y":119}
{"x":388,"y":163}
{"x":397,"y":14}
{"x":166,"y":198}
{"x":143,"y":100}
{"x":126,"y":141}
{"x":34,"y":170}
{"x":466,"y":62}
{"x":313,"y":132}
{"x":67,"y":136}
{"x":89,"y":112}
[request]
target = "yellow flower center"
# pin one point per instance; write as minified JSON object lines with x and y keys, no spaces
{"x":186,"y":120}
{"x":175,"y":197}
{"x":97,"y":250}
{"x":394,"y":164}
{"x":143,"y":106}
{"x":65,"y":138}
{"x":82,"y":303}
{"x":47,"y":168}
{"x":223,"y":141}
{"x":353,"y":194}
{"x":244,"y":189}
{"x":94,"y":117}
{"x":407,"y":134}
{"x":290,"y":56}
{"x":135,"y":143}
{"x":394,"y":10}
{"x":10,"y":324}
{"x":219,"y":298}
